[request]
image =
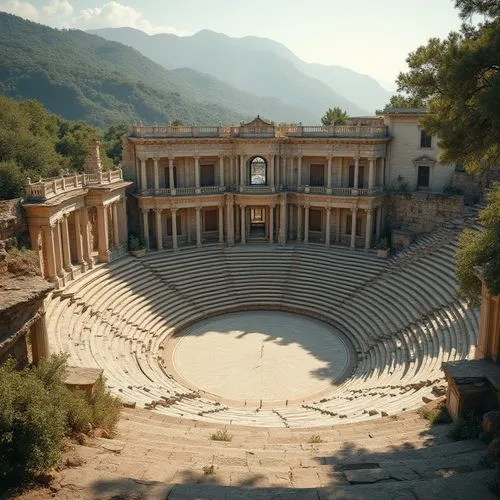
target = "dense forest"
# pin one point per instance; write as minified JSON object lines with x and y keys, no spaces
{"x":34,"y":143}
{"x":84,"y":77}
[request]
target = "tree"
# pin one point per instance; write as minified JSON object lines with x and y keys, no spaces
{"x":458,"y":79}
{"x":401,"y":101}
{"x":113,"y":144}
{"x":335,"y":116}
{"x":177,"y":123}
{"x":479,"y":252}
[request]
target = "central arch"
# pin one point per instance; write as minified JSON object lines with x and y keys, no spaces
{"x":258,"y":171}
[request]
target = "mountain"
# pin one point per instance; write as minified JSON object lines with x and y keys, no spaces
{"x":364,"y":90}
{"x":256,"y":65}
{"x":80,"y":76}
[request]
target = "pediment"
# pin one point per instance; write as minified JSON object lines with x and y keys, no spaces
{"x":257,"y":122}
{"x":424,"y":160}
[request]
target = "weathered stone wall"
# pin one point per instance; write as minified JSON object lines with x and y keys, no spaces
{"x":21,"y":303}
{"x":13,"y":221}
{"x":421,"y":212}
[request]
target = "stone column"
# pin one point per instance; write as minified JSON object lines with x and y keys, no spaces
{"x":144,"y":180}
{"x":221,"y":224}
{"x":232,"y":179}
{"x":123,"y":219}
{"x":299,"y":171}
{"x":369,"y":228}
{"x":354,"y":211}
{"x":78,"y":238}
{"x":49,"y":250}
{"x":39,"y":339}
{"x":282,"y":229}
{"x":378,"y":226}
{"x":116,"y":226}
{"x":171,"y":180}
{"x":197,"y":171}
{"x":230,"y":220}
{"x":383,"y":171}
{"x":338,"y":223}
{"x":271,"y":172}
{"x":271,"y":223}
{"x":174,"y":228}
{"x":198,"y":226}
{"x":87,"y":250}
{"x":58,"y":249}
{"x":306,"y":224}
{"x":145,"y":227}
{"x":329,"y":174}
{"x":155,"y":174}
{"x":290,"y":221}
{"x":221,"y":171}
{"x":242,"y":172}
{"x":159,"y":229}
{"x":102,"y":228}
{"x":356,"y":173}
{"x":328,"y":226}
{"x":65,"y":243}
{"x":299,"y":223}
{"x":371,"y":173}
{"x":242,"y":225}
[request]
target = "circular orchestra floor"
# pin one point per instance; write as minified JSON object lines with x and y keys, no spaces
{"x":270,"y":357}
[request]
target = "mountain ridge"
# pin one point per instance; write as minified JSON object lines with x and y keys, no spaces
{"x":81,"y":76}
{"x":237,"y":62}
{"x":351,"y":90}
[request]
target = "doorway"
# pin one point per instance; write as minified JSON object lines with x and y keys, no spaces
{"x":257,"y":222}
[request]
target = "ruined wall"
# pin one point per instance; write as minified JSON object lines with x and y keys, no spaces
{"x":421,"y":212}
{"x":13,"y":221}
{"x":21,"y":303}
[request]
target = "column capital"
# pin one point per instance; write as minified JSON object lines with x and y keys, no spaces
{"x":174,"y":210}
{"x":328,"y":208}
{"x":354,"y":209}
{"x":198,"y":208}
{"x":369,"y":210}
{"x":141,"y":157}
{"x":156,"y":159}
{"x":158,"y":210}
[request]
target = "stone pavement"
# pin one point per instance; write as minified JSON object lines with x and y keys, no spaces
{"x":157,"y":457}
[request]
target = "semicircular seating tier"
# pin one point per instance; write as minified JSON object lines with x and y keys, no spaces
{"x":401,"y":315}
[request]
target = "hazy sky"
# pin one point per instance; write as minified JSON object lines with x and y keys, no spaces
{"x":368,"y":36}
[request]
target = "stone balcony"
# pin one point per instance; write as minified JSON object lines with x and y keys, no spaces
{"x":331,"y":131}
{"x":262,"y":189}
{"x":46,"y":189}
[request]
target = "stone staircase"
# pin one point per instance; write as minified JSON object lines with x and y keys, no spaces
{"x":164,"y":457}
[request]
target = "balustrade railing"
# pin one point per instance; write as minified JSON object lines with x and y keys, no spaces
{"x":44,"y":189}
{"x":261,"y":189}
{"x":146,"y":131}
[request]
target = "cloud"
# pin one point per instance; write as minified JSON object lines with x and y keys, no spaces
{"x":58,"y":8}
{"x":115,"y":15}
{"x":20,"y":8}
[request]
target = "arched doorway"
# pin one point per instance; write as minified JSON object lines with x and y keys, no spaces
{"x":258,"y":171}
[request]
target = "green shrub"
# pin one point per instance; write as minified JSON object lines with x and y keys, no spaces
{"x":37,"y":410}
{"x":467,"y":427}
{"x":105,"y":408}
{"x":31,"y":425}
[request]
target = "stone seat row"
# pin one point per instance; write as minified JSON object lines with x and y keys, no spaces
{"x":124,"y":315}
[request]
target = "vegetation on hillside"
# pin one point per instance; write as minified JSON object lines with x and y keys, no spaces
{"x":35,"y":143}
{"x":84,"y":77}
{"x":37,"y":411}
